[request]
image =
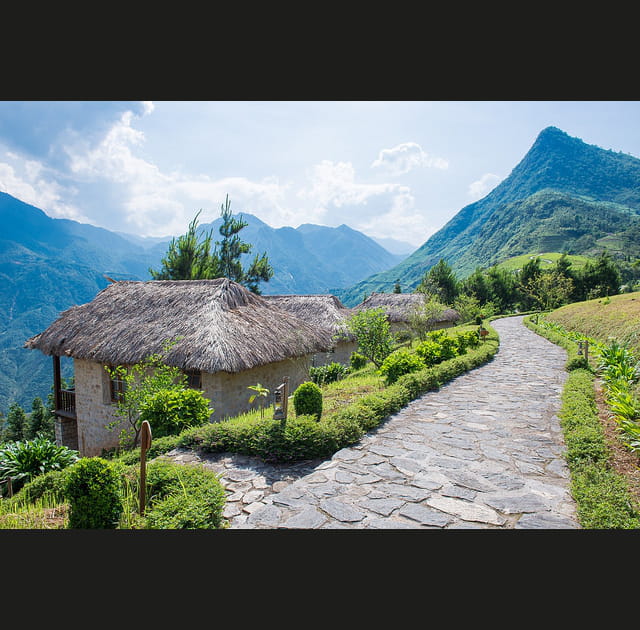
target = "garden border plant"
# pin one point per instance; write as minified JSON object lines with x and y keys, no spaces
{"x":602,"y":496}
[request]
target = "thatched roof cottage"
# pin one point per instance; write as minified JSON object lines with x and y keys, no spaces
{"x":322,"y":311}
{"x":398,"y":307}
{"x":227,"y":339}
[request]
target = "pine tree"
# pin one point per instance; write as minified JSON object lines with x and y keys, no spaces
{"x":40,"y":421}
{"x":230,"y":249}
{"x":15,"y":424}
{"x":190,"y":256}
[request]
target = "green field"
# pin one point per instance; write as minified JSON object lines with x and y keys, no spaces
{"x":547,"y":260}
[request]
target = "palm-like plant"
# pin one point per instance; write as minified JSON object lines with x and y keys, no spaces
{"x":261,"y":392}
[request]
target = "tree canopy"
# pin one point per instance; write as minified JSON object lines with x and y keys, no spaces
{"x":190,"y":256}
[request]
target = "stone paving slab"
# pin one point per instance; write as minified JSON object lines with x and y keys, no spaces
{"x":484,"y":451}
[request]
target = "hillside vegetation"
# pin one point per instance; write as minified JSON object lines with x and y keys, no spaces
{"x":615,"y":317}
{"x":565,"y":196}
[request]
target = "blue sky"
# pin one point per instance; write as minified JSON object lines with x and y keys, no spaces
{"x":392,"y":169}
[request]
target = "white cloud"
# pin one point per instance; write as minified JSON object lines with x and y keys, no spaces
{"x":333,"y":183}
{"x":147,"y":107}
{"x":157,"y":203}
{"x":406,"y":156}
{"x":34,"y":186}
{"x":483,"y":186}
{"x":402,"y":221}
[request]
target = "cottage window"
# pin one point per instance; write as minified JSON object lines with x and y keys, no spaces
{"x":117,"y":387}
{"x":194,"y":379}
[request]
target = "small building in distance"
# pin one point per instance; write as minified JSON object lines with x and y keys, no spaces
{"x":398,"y":307}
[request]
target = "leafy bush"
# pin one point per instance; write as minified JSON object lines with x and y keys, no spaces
{"x":307,"y":400}
{"x":170,"y":411}
{"x":183,"y":497}
{"x":449,"y":345}
{"x":357,"y":361}
{"x":399,"y":363}
{"x":92,"y":487}
{"x":329,"y":373}
{"x":430,"y":352}
{"x":372,"y":330}
{"x":468,"y":339}
{"x":25,"y":460}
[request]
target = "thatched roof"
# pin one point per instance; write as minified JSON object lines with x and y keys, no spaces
{"x":398,"y":306}
{"x":221,"y":326}
{"x":324,"y":311}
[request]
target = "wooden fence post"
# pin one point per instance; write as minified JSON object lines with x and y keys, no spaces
{"x":145,"y":443}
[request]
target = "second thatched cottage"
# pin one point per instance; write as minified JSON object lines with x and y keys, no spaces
{"x":322,"y":311}
{"x":226,"y":339}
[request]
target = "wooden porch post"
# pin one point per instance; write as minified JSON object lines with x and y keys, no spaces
{"x":56,"y":382}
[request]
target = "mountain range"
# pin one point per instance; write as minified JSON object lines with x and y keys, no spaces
{"x":48,"y":265}
{"x":564,"y":195}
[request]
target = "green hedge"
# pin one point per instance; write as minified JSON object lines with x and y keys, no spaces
{"x":601,"y":494}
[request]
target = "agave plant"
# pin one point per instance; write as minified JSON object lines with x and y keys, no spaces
{"x":632,"y":433}
{"x":624,"y":404}
{"x":23,"y":460}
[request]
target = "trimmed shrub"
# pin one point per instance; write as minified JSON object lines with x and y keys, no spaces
{"x":400,"y":362}
{"x":302,"y":437}
{"x":183,"y":497}
{"x":92,"y":487}
{"x":357,"y":361}
{"x":170,"y":411}
{"x":307,"y":400}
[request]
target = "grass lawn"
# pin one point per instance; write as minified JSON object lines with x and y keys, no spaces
{"x":603,"y":319}
{"x":547,"y":260}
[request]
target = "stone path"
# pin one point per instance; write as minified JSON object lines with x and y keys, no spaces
{"x":484,"y":451}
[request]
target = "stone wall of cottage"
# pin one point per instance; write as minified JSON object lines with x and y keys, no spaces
{"x":341,"y":354}
{"x":229,"y":393}
{"x":94,"y":410}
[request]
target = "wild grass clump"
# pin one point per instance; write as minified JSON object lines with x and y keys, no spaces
{"x":182,"y":497}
